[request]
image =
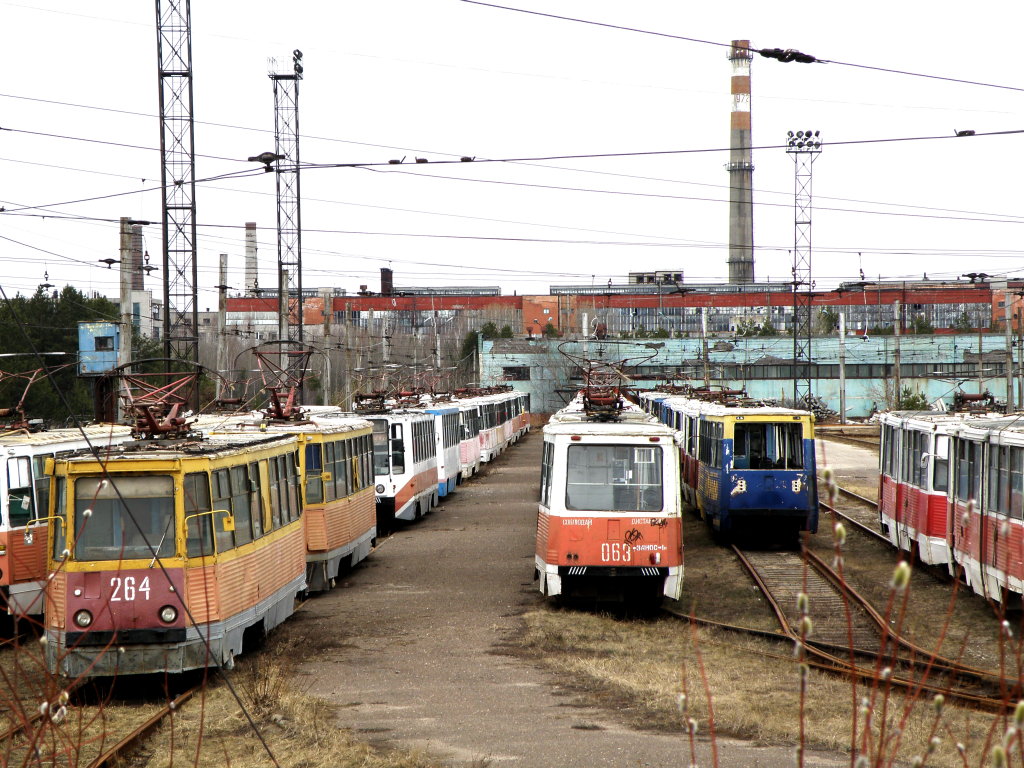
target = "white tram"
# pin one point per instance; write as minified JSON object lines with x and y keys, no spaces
{"x":404,"y":465}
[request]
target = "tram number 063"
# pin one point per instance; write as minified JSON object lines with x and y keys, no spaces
{"x":616,"y":552}
{"x":124,"y":589}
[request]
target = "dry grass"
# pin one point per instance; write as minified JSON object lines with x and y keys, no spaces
{"x":298,"y":729}
{"x":640,"y":668}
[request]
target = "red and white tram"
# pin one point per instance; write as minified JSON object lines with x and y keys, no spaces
{"x":913,"y":481}
{"x":986,"y":530}
{"x":609,"y":524}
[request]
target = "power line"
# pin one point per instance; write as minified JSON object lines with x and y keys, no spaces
{"x":772,"y":53}
{"x":119,"y":144}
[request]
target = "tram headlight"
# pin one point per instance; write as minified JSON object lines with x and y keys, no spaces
{"x":83,"y":619}
{"x":168,"y":614}
{"x":380,"y":488}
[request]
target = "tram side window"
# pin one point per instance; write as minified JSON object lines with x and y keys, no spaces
{"x":345,"y":482}
{"x":940,"y":464}
{"x":42,"y":483}
{"x":968,"y":474}
{"x":199,"y":539}
{"x":19,"y":491}
{"x":240,"y":495}
{"x":608,"y":478}
{"x":904,"y":456}
{"x":274,"y":467}
{"x":314,"y":473}
{"x":381,"y":465}
{"x":710,"y":450}
{"x":222,"y":501}
{"x":330,"y":458}
{"x":331,"y":465}
{"x":893,"y":453}
{"x":1003,"y":480}
{"x":545,"y":474}
{"x":1017,"y":483}
{"x":397,"y":449}
{"x":919,"y":464}
{"x":256,"y":499}
{"x":291,"y":486}
{"x":59,"y":526}
{"x":367,"y":461}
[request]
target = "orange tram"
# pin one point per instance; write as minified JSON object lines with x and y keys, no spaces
{"x":335,"y":453}
{"x":609,"y":525}
{"x":172,"y":555}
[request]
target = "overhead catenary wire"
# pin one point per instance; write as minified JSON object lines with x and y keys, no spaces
{"x":774,"y":53}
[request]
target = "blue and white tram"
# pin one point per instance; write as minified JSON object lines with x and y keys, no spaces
{"x":447,"y":438}
{"x":748,"y":467}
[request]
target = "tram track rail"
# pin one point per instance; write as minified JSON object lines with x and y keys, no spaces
{"x":860,"y":642}
{"x":854,"y":521}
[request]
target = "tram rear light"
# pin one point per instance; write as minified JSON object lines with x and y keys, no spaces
{"x":576,"y":437}
{"x":83,"y":619}
{"x":655,"y":558}
{"x":654,"y":439}
{"x":3,"y":550}
{"x":168,"y":614}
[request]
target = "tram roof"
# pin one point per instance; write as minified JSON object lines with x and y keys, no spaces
{"x":939,"y":417}
{"x":98,"y":434}
{"x":1013,"y":425}
{"x":573,"y":419}
{"x":206,"y":445}
{"x":324,"y":424}
{"x":722,"y":409}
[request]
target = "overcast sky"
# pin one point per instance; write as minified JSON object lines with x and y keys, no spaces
{"x":440,"y":79}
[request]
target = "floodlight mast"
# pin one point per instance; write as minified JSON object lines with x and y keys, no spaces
{"x":177,"y":179}
{"x":289,"y":210}
{"x":804,"y":147}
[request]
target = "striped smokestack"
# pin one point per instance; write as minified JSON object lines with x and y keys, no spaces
{"x":741,"y":169}
{"x":252,"y":279}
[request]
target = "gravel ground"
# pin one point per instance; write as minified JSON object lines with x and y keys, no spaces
{"x":417,"y":647}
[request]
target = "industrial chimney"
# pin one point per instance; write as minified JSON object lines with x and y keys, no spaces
{"x":387,"y":282}
{"x":741,"y":169}
{"x":251,"y":269}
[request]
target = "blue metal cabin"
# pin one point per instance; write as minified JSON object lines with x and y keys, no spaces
{"x":98,"y":345}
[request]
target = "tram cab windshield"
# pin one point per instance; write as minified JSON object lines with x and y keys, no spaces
{"x":614,"y":478}
{"x":129,"y":531}
{"x":766,"y":445}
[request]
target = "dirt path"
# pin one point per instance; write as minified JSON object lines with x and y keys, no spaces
{"x":412,"y":646}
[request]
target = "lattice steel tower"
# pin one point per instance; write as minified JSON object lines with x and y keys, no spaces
{"x":803,"y":147}
{"x":177,"y":177}
{"x":289,"y":209}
